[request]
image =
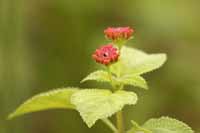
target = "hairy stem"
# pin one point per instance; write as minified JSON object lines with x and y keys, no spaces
{"x":110,"y":125}
{"x":120,"y":122}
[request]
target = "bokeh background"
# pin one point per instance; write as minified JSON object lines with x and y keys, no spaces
{"x":46,"y":44}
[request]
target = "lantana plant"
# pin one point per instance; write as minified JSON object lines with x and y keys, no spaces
{"x":122,"y":66}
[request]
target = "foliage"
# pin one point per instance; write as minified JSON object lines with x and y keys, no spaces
{"x":55,"y":99}
{"x":167,"y":125}
{"x":161,"y":125}
{"x":94,"y":104}
{"x":134,"y":61}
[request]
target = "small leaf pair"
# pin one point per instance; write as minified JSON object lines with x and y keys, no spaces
{"x":103,"y":76}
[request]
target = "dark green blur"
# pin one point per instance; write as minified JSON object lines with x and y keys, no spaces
{"x":46,"y":44}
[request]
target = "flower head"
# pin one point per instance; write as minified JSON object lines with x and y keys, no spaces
{"x":118,"y":33}
{"x":106,"y":54}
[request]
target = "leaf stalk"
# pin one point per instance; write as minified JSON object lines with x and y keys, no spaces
{"x":110,"y":125}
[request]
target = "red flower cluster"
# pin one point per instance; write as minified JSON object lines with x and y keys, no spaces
{"x":106,"y":54}
{"x":118,"y":33}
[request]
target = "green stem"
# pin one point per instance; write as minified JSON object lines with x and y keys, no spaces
{"x":119,"y":115}
{"x":120,"y":122}
{"x":110,"y":125}
{"x":111,"y":78}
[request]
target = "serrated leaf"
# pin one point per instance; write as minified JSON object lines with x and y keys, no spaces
{"x":134,"y":61}
{"x":100,"y":75}
{"x":95,"y":104}
{"x":136,"y":128}
{"x":56,"y":99}
{"x":133,"y":80}
{"x":167,"y":125}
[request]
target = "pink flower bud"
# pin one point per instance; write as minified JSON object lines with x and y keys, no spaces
{"x":106,"y":54}
{"x":118,"y":33}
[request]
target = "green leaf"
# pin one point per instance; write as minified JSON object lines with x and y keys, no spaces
{"x":95,"y":104}
{"x":56,"y":99}
{"x":133,"y":80}
{"x":100,"y":75}
{"x":134,"y":61}
{"x":136,"y":128}
{"x":167,"y":125}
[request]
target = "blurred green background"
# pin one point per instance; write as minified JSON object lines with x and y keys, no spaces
{"x":47,"y":44}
